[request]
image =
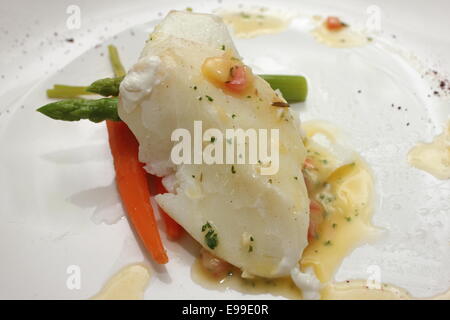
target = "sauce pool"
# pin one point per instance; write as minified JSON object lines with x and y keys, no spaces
{"x":342,"y":38}
{"x":128,"y":284}
{"x":252,"y":24}
{"x":433,"y":157}
{"x":346,"y":193}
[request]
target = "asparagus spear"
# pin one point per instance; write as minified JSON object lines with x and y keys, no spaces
{"x":61,"y":91}
{"x":119,"y":70}
{"x":77,"y":109}
{"x":106,"y":87}
{"x":293,"y":88}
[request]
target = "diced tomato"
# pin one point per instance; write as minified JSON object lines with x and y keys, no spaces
{"x":238,"y":81}
{"x":315,"y":206}
{"x":308,"y":164}
{"x":315,"y":218}
{"x":334,"y":24}
{"x":308,"y":174}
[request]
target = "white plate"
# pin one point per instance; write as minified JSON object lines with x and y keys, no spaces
{"x":56,"y":178}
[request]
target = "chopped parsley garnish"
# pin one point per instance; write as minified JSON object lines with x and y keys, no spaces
{"x":213,"y":139}
{"x":251,"y":238}
{"x":211,"y":237}
{"x":195,"y":87}
{"x":209,"y":98}
{"x":233,"y":116}
{"x":327,"y":243}
{"x":348,"y":219}
{"x":250,"y":248}
{"x":334,"y":225}
{"x":223,"y":47}
{"x":207,"y":225}
{"x":233,"y":170}
{"x":245,"y":15}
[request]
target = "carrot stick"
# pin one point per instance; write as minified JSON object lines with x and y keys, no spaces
{"x":173,"y":229}
{"x":132,"y":183}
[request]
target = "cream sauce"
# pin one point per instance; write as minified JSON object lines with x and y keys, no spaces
{"x":251,"y":24}
{"x":346,"y":194}
{"x":344,"y":38}
{"x":283,"y":287}
{"x":359,"y":290}
{"x":433,"y":157}
{"x":128,"y":284}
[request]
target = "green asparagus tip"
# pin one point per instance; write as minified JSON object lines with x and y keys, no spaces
{"x":107,"y":87}
{"x":77,"y":109}
{"x":50,"y":111}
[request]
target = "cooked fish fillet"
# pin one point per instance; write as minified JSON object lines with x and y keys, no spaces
{"x":261,"y":221}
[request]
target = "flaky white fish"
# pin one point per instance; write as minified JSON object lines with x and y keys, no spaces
{"x":260,"y":221}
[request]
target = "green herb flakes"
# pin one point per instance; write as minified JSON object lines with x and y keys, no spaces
{"x":211,"y":237}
